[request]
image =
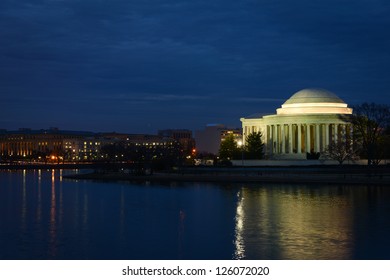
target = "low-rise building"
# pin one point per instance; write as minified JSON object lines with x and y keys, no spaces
{"x":182,"y":136}
{"x":24,"y":143}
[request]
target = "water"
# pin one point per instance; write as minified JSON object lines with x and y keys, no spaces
{"x":43,"y":216}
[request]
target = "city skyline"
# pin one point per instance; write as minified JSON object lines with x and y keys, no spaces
{"x":143,"y":66}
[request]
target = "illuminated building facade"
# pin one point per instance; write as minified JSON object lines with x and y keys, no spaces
{"x":87,"y":148}
{"x":26,"y":142}
{"x":307,"y":122}
{"x":59,"y":145}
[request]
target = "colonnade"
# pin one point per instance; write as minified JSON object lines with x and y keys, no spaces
{"x":26,"y":148}
{"x":16,"y":148}
{"x":304,"y":137}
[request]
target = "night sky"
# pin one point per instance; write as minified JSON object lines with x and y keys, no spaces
{"x":137,"y":66}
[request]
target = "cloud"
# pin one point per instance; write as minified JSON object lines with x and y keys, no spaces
{"x":147,"y":97}
{"x":205,"y":54}
{"x":356,"y":26}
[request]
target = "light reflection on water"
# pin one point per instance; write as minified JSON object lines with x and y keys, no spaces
{"x":239,"y":232}
{"x":43,"y":216}
{"x":291,"y":223}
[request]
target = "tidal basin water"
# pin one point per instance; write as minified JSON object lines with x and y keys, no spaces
{"x":44,"y":216}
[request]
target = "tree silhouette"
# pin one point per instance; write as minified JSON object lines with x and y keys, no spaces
{"x":228,"y":149}
{"x":254,"y":146}
{"x":370,"y":121}
{"x":341,"y":151}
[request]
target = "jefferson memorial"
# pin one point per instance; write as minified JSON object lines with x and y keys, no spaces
{"x":306,"y":123}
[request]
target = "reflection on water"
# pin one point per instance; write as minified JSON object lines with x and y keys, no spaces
{"x":52,"y":224}
{"x":39,"y":198}
{"x":293,"y":223}
{"x":24,"y":204}
{"x":43,"y":216}
{"x":239,"y":232}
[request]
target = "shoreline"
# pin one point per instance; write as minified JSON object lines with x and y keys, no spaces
{"x":88,"y":165}
{"x":330,"y":174}
{"x":274,"y":177}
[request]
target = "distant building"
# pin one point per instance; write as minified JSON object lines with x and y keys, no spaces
{"x":307,"y":122}
{"x":86,"y":148}
{"x":26,"y":142}
{"x":139,"y":147}
{"x":147,"y":139}
{"x":209,"y":139}
{"x":114,"y":136}
{"x":182,"y":136}
{"x":63,"y":145}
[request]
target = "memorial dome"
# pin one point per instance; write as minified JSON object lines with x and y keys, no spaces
{"x":313,"y":95}
{"x":314,"y":101}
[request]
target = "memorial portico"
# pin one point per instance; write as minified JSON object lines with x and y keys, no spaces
{"x":307,"y":122}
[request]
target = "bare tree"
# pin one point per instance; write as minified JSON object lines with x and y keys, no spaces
{"x":341,"y":151}
{"x":370,"y":121}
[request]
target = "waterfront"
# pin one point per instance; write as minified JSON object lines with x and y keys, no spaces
{"x":44,"y":216}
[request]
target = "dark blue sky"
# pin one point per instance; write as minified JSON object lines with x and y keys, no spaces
{"x":142,"y":65}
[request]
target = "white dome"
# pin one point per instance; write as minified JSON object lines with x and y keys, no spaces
{"x":314,"y":101}
{"x":313,"y":95}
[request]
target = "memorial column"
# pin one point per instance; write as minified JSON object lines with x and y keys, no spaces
{"x":283,"y":136}
{"x":290,"y":139}
{"x":343,"y":133}
{"x":317,"y":139}
{"x":276,"y":145}
{"x":308,"y":142}
{"x":299,"y":144}
{"x":269,"y":136}
{"x":326,"y":135}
